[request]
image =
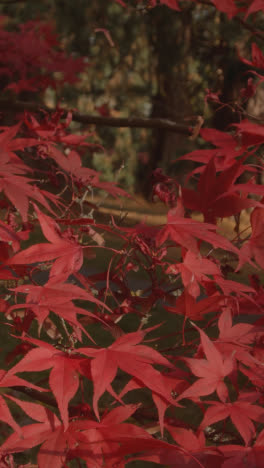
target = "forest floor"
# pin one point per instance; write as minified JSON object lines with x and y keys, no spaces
{"x":137,"y":209}
{"x":128,"y":212}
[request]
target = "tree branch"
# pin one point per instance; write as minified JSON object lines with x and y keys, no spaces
{"x":249,"y":27}
{"x":131,"y":122}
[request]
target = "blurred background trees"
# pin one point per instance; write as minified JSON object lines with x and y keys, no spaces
{"x":146,"y":62}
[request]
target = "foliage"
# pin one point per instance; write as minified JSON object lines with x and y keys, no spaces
{"x":143,"y":70}
{"x":158,"y":356}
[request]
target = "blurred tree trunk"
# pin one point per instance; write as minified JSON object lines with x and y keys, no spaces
{"x":170,"y":39}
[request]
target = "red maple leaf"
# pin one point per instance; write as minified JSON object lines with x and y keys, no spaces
{"x":9,"y":236}
{"x":217,"y":197}
{"x":185,"y":231}
{"x":98,"y":443}
{"x":9,"y":380}
{"x":228,"y":287}
{"x":10,"y":163}
{"x":256,"y":5}
{"x":211,"y":371}
{"x":173,"y":4}
{"x":194,"y":444}
{"x":250,"y":134}
{"x":236,"y":339}
{"x":175,"y":384}
{"x":57,"y":297}
{"x":162,"y":453}
{"x":63,"y":379}
{"x":254,"y":374}
{"x":106,"y":442}
{"x":195,"y":310}
{"x":241,"y":333}
{"x":254,"y":247}
{"x":72,"y":165}
{"x":241,"y":412}
{"x":67,"y":251}
{"x":237,"y":456}
{"x":226,"y":6}
{"x":48,"y":431}
{"x":226,"y":151}
{"x":257,"y":57}
{"x":127,"y":354}
{"x":17,"y":188}
{"x":194,"y":270}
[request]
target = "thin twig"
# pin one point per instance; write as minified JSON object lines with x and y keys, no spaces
{"x":249,"y":27}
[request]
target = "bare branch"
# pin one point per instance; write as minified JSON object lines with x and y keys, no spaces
{"x":131,"y":122}
{"x":249,"y":27}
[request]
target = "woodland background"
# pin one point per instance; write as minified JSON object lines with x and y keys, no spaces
{"x":156,"y":62}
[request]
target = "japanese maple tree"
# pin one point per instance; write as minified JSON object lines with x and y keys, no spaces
{"x":96,"y":372}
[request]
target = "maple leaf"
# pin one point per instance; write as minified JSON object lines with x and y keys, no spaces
{"x":96,"y":443}
{"x":256,"y":5}
{"x":99,"y":444}
{"x":217,"y":196}
{"x":67,"y":252}
{"x":174,"y":456}
{"x":72,"y":165}
{"x":237,"y":456}
{"x":51,"y":129}
{"x":254,"y":374}
{"x":6,"y":416}
{"x":57,"y":297}
{"x":185,"y":231}
{"x":254,"y":247}
{"x":224,"y":155}
{"x":211,"y":371}
{"x":17,"y":188}
{"x":10,"y":163}
{"x":195,"y":310}
{"x":127,"y":354}
{"x":8,"y":235}
{"x":241,"y":333}
{"x":250,"y":134}
{"x":226,"y":6}
{"x":175,"y":384}
{"x":241,"y":412}
{"x":186,"y":438}
{"x":9,"y":380}
{"x":32,"y":56}
{"x":173,"y":4}
{"x":193,"y":270}
{"x":194,"y":444}
{"x":228,"y":287}
{"x":63,"y":378}
{"x":106,"y":442}
{"x":236,"y":338}
{"x":48,"y":431}
{"x":257,"y":58}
